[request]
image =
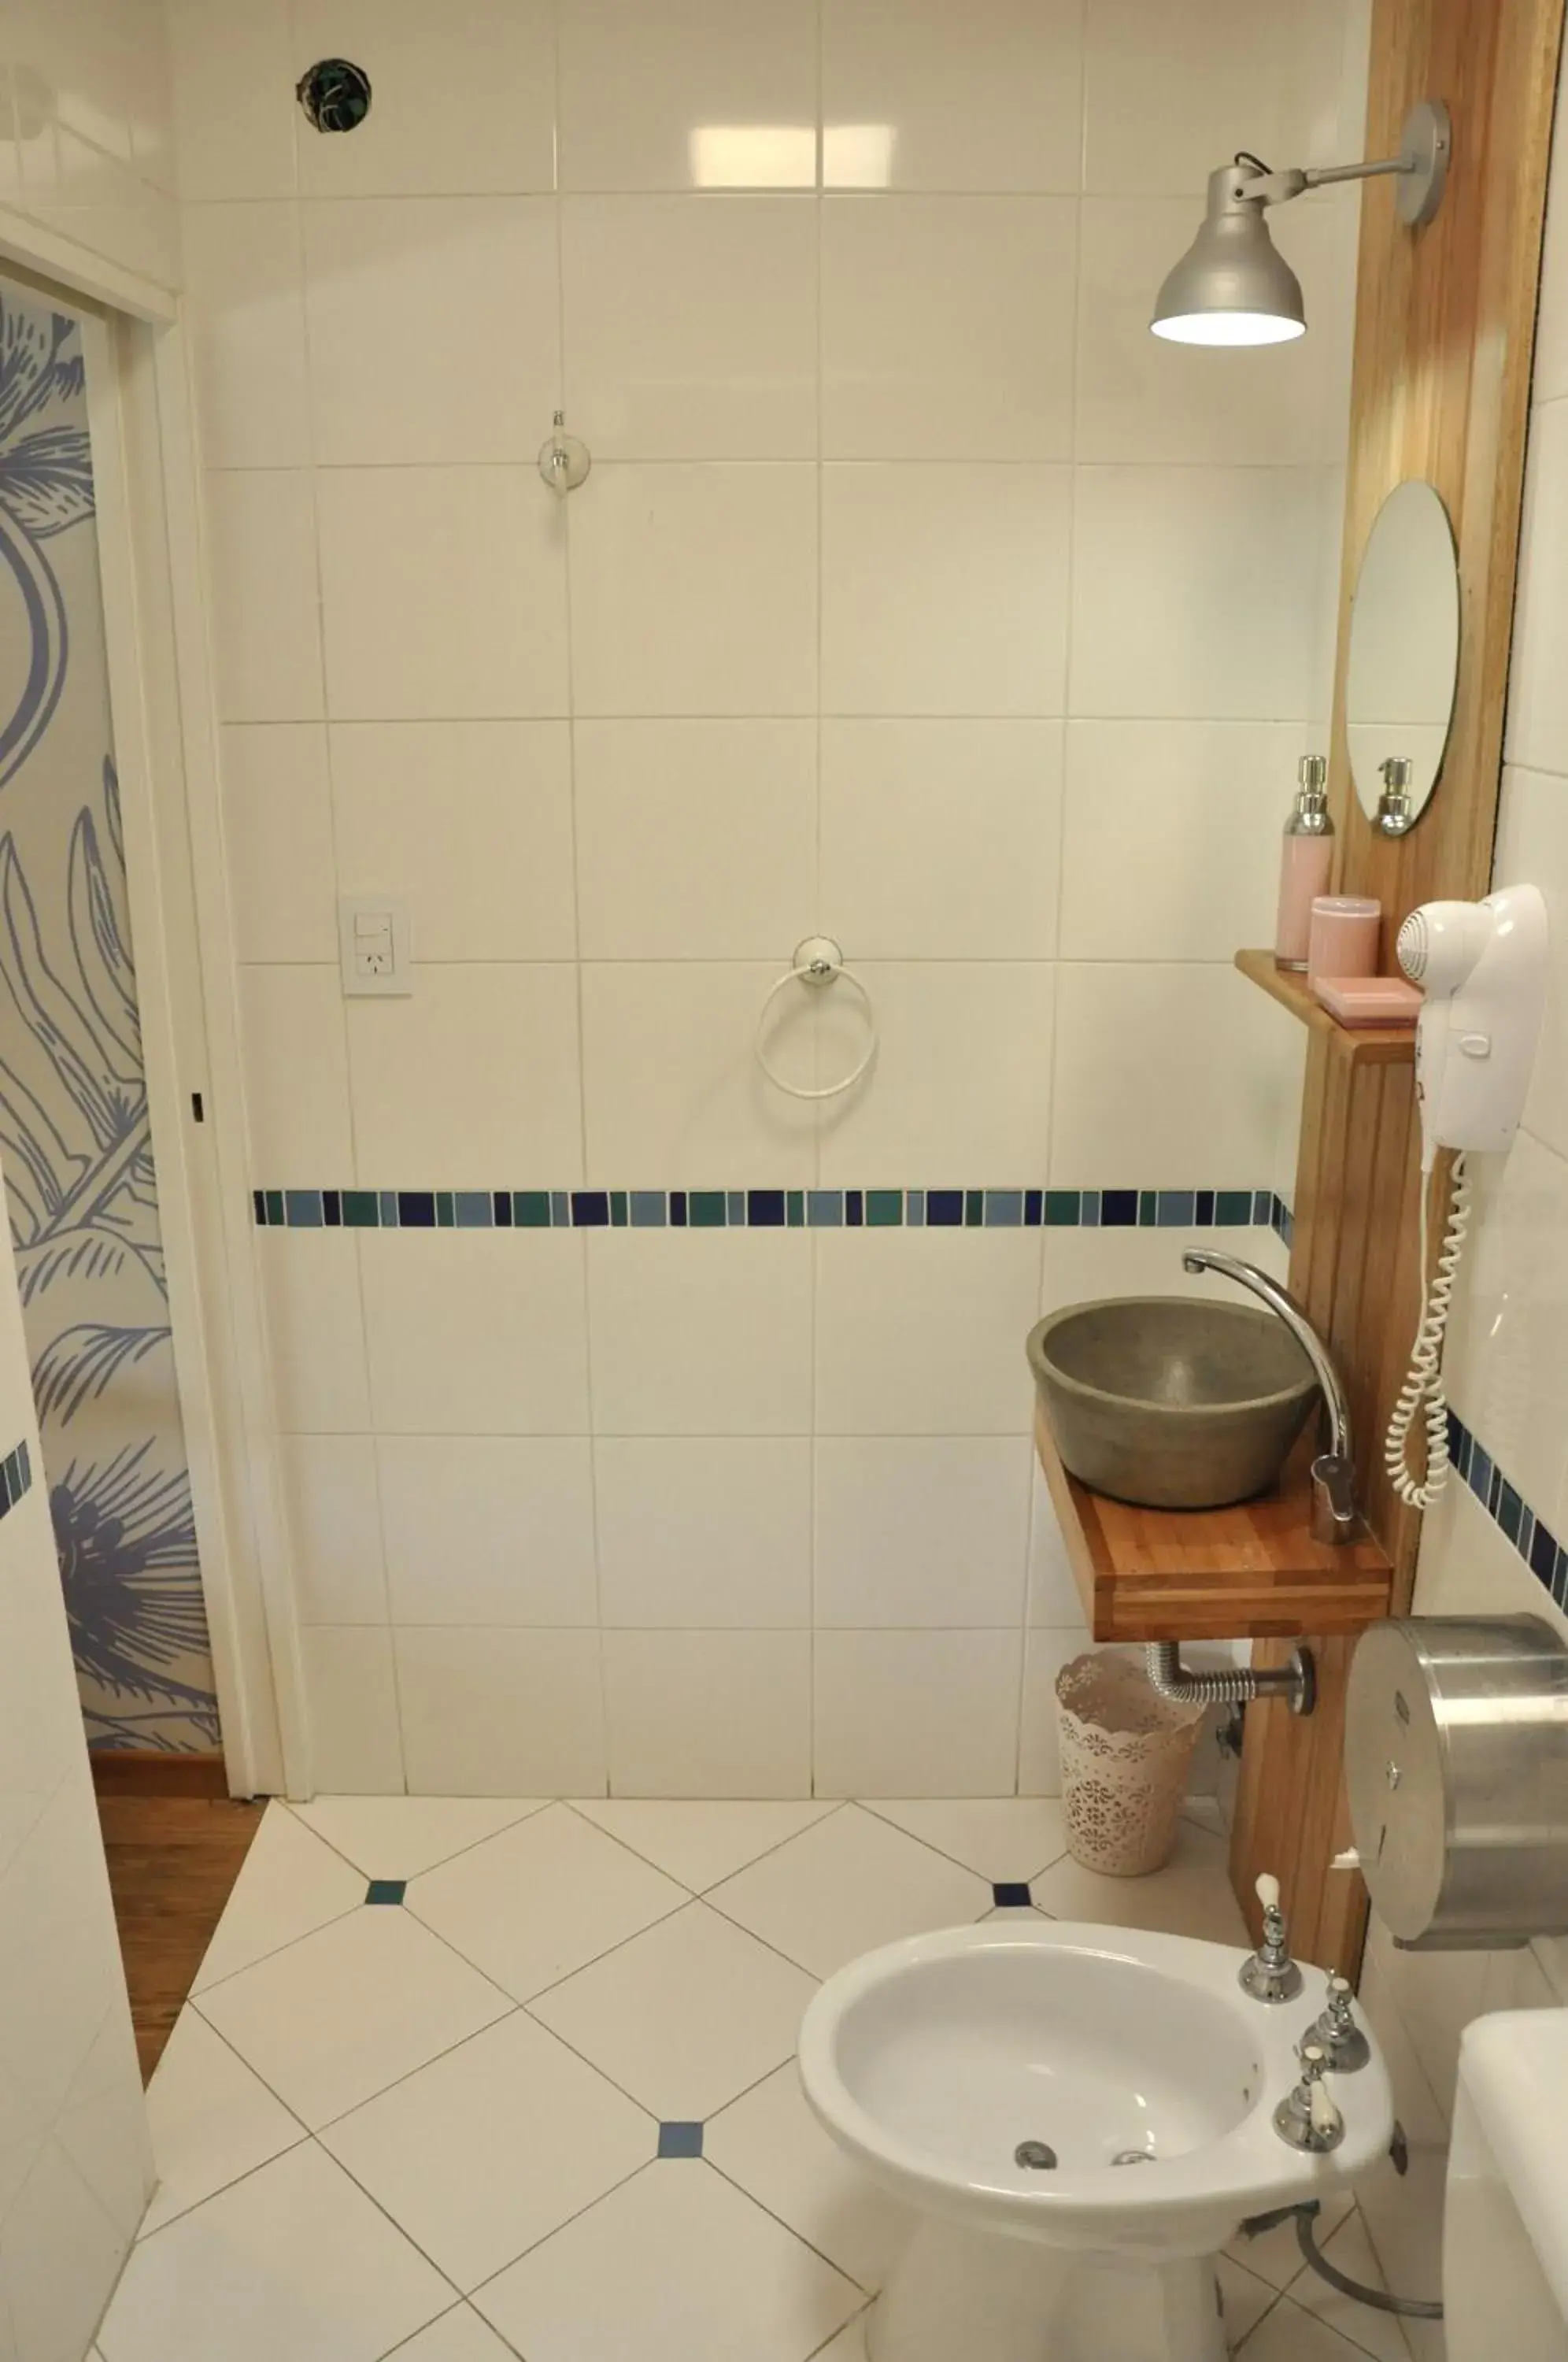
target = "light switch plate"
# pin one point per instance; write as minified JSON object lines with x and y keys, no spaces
{"x":375,"y":946}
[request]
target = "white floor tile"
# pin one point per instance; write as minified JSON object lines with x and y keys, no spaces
{"x":1286,"y":2333}
{"x":1004,"y":1839}
{"x":486,"y":2151}
{"x":1275,"y":2256}
{"x":346,"y":2011}
{"x":1350,"y":2250}
{"x":458,"y":2336}
{"x":211,"y":2120}
{"x":1192,"y":1897}
{"x":685,"y":2016}
{"x":771,"y":2144}
{"x":675,"y":2264}
{"x":290,"y":1885}
{"x":1246,"y":2300}
{"x":700,"y":1842}
{"x":849,"y":2346}
{"x":537,"y":1903}
{"x":293,"y":2261}
{"x":847,"y":1885}
{"x":398,"y":1836}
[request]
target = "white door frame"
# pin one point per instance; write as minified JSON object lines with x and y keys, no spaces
{"x":145,"y":471}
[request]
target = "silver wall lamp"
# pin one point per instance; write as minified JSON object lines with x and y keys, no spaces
{"x":1232,"y":287}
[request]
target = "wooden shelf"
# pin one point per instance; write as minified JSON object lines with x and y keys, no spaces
{"x":1249,"y":1572}
{"x":1359,"y":1045}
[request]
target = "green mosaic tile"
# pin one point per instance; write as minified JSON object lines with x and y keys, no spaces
{"x":1061,"y":1210}
{"x":446,"y":1218}
{"x":618,"y":1210}
{"x":275,"y":1208}
{"x":973,"y":1209}
{"x":795,"y":1210}
{"x":884,"y":1209}
{"x":705,"y":1210}
{"x":531,"y":1210}
{"x":361,"y":1210}
{"x":1233,"y":1207}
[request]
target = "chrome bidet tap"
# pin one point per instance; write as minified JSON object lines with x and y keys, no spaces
{"x":1337,"y":2033}
{"x":1334,"y":1516}
{"x":1308,"y":2116}
{"x":1271,"y":1975}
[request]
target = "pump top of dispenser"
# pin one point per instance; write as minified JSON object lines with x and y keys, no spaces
{"x":1309,"y":813}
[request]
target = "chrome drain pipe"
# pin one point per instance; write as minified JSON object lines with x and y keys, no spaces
{"x":1240,"y":1685}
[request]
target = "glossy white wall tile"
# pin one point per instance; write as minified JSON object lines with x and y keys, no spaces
{"x":704,"y":1532}
{"x":912,"y":1713}
{"x":489,"y":1529}
{"x":501,"y":1712}
{"x":475,"y":1076}
{"x":470,"y":822}
{"x":399,"y":646}
{"x":700,"y":1336}
{"x":432,"y":326}
{"x":455,"y":1350}
{"x":708,"y":1714}
{"x":927,"y":352}
{"x":694,"y":590}
{"x":431,"y":131}
{"x":351,"y":1698}
{"x":944,"y":588}
{"x":1171,"y":834}
{"x":940,"y":839}
{"x":877,"y":433}
{"x":692,"y":94}
{"x":913,"y":100}
{"x":692,"y":327}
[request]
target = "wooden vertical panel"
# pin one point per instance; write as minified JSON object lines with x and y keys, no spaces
{"x":1441,"y":388}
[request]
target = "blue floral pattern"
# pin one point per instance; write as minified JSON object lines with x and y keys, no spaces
{"x":75,"y":1141}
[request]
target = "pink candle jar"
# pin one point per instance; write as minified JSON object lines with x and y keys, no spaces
{"x":1342,"y":940}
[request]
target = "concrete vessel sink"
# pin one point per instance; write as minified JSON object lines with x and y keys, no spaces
{"x":1170,"y":1402}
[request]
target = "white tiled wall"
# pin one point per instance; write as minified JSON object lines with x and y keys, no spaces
{"x":78,"y":2169}
{"x":86,"y":143}
{"x":914,"y":595}
{"x":1507,"y":1363}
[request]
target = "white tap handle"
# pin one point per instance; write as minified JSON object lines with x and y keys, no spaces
{"x":1326,"y":2117}
{"x":1267,"y":1891}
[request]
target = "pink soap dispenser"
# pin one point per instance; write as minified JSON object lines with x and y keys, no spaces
{"x":1305,"y":862}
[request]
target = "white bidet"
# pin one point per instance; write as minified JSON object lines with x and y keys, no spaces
{"x":1080,"y":2118}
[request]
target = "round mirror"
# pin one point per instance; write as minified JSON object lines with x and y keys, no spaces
{"x":1404,"y":658}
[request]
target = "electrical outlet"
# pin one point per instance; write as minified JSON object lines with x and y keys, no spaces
{"x":374,"y":945}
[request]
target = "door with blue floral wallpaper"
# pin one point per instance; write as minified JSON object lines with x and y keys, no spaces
{"x":75,"y":1144}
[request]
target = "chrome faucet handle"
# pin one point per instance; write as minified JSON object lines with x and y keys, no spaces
{"x":1308,"y":2116}
{"x":1270,"y":1975}
{"x":1334,"y":1517}
{"x":1337,"y":2033}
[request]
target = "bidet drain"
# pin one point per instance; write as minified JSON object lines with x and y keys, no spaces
{"x":1133,"y":2156}
{"x":1038,"y":2156}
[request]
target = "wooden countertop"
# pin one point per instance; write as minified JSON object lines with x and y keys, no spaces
{"x":1249,"y":1572}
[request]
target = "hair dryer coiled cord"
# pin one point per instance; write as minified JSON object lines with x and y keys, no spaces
{"x":1422,"y":1394}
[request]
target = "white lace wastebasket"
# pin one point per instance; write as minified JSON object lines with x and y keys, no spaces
{"x":1125,"y":1754}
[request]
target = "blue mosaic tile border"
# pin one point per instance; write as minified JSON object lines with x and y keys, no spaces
{"x":15,"y":1477}
{"x":775,"y":1210}
{"x":1506,"y":1505}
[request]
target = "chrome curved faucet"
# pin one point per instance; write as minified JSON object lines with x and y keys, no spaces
{"x":1334,"y":1517}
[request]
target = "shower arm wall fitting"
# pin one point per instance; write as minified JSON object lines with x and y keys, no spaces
{"x":1240,"y":1685}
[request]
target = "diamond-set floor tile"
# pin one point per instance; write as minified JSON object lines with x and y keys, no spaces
{"x":846,"y":1886}
{"x":769,"y":2142}
{"x":294,"y":2261}
{"x":489,"y":2150}
{"x":291,"y":1884}
{"x":458,"y":2336}
{"x":1191,"y":1897}
{"x":398,"y":1836}
{"x":1003,"y":1839}
{"x":212,"y":2121}
{"x":540,"y":1901}
{"x":342,"y":2014}
{"x":699,"y":1843}
{"x":676,"y":2263}
{"x":685,"y":2015}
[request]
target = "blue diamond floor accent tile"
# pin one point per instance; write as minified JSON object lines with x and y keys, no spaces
{"x":1012,"y":1897}
{"x":681,"y":2140}
{"x":386,"y":1890}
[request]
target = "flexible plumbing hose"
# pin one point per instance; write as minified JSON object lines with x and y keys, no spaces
{"x":1305,"y":2215}
{"x":1423,"y":1385}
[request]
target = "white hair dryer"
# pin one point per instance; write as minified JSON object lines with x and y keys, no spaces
{"x":1482,"y":967}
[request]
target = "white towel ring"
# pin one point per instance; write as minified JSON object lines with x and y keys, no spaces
{"x":817,"y":962}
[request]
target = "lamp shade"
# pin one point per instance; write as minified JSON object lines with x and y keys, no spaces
{"x":1231,"y":286}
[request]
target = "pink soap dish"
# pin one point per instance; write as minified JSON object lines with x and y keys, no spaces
{"x":1369,"y":1000}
